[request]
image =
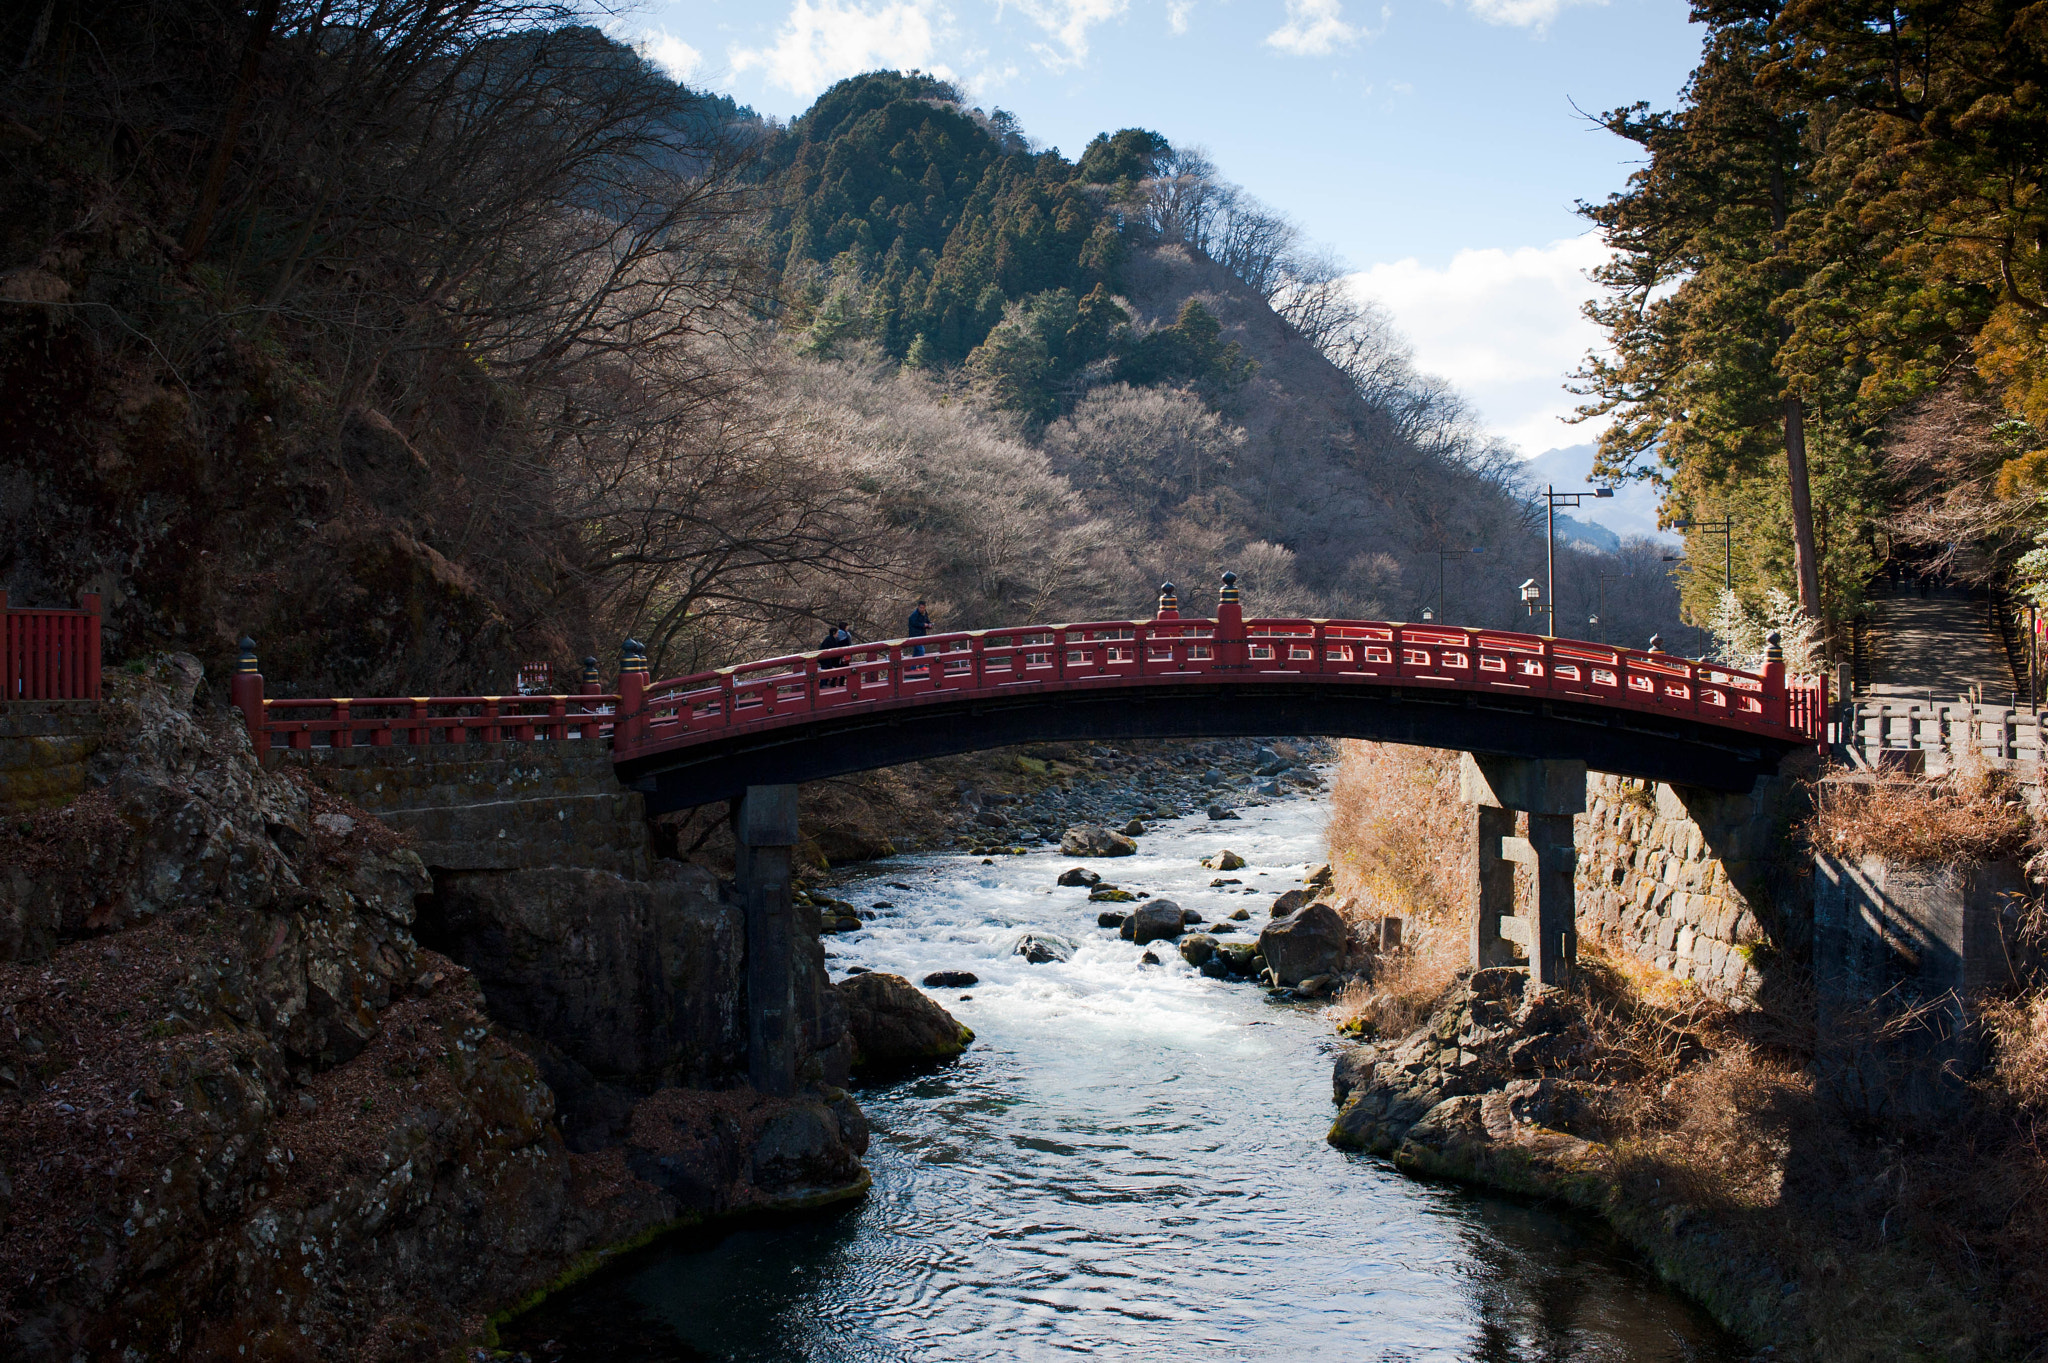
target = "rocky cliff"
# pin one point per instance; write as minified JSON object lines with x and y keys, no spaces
{"x":244,"y":1111}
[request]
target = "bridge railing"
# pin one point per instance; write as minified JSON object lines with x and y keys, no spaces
{"x":50,"y":654}
{"x":1173,"y":650}
{"x":380,"y":721}
{"x":385,"y":721}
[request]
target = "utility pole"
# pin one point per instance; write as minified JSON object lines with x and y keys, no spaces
{"x":1725,"y":528}
{"x":1552,"y":500}
{"x":1441,"y":554}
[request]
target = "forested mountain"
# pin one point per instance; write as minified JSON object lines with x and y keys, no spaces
{"x":419,"y":341}
{"x":1828,"y":297}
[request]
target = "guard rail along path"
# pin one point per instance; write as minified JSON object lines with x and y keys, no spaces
{"x":709,"y":736}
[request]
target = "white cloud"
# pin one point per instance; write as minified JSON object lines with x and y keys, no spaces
{"x":1523,"y":13}
{"x":1067,"y":22}
{"x":829,"y":40}
{"x":1314,"y":28}
{"x":670,"y":53}
{"x":1177,"y":15}
{"x":1503,"y":326}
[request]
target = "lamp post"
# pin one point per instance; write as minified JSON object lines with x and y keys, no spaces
{"x":1441,"y":554}
{"x":1532,"y":597}
{"x":1603,"y":579}
{"x":1552,"y":500}
{"x":1725,"y":528}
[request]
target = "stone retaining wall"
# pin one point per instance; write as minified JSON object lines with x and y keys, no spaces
{"x":1677,"y":877}
{"x":44,"y":748}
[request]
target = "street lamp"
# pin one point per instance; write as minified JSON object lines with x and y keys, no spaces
{"x":1441,"y":554}
{"x":1725,"y":528}
{"x":1532,"y":597}
{"x":1552,"y":500}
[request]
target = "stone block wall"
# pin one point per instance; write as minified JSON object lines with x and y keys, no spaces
{"x":44,"y":748}
{"x":495,"y":806}
{"x":1677,"y":877}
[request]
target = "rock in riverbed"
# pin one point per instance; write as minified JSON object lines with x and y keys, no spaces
{"x":1079,"y":875}
{"x":1308,"y":942}
{"x":1157,"y":920}
{"x":951,"y":979}
{"x":1093,"y":840}
{"x":1043,"y":949}
{"x":895,"y":1026}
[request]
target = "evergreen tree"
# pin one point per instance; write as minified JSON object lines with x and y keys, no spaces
{"x":1706,"y":257}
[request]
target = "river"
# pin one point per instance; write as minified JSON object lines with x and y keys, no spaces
{"x":1129,"y":1162}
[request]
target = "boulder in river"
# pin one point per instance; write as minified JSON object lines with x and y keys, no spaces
{"x":1218,"y":813}
{"x":1109,"y":894}
{"x":1042,"y":948}
{"x":951,"y":979}
{"x":1242,"y":915}
{"x":1197,"y":948}
{"x":1227,"y":860}
{"x":1093,"y":840}
{"x":1241,"y":957}
{"x":1079,"y":875}
{"x":1290,"y":900}
{"x":1110,"y":918}
{"x":895,"y":1026}
{"x":1319,"y":877}
{"x":1306,"y":943}
{"x":1134,"y":829}
{"x":1158,"y":920}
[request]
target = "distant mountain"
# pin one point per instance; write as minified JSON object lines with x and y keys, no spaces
{"x":1587,"y":535}
{"x":1631,"y":511}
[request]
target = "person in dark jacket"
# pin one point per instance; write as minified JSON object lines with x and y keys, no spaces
{"x":920,"y":625}
{"x":836,"y":637}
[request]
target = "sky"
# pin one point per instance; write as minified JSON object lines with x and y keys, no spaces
{"x":1438,"y":146}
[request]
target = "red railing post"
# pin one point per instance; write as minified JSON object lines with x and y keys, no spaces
{"x":492,"y":733}
{"x":1774,"y":680}
{"x":1230,"y":645}
{"x":343,"y":737}
{"x":631,"y":723}
{"x":245,"y":691}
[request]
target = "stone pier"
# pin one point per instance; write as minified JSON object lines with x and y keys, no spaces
{"x":764,"y":829}
{"x":1550,"y":792}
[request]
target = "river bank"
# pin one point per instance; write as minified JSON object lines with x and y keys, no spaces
{"x":1816,"y":1220}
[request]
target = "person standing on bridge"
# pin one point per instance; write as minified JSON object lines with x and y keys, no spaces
{"x":920,"y":625}
{"x":839,"y":636}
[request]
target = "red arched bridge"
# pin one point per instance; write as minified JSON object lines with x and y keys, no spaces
{"x":692,"y":740}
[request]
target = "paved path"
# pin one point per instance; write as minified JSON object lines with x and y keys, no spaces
{"x":1940,"y":643}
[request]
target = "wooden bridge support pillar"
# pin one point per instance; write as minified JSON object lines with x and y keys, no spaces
{"x":1550,"y":792}
{"x":764,"y":827}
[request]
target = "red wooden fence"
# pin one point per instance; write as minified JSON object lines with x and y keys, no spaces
{"x":51,"y":654}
